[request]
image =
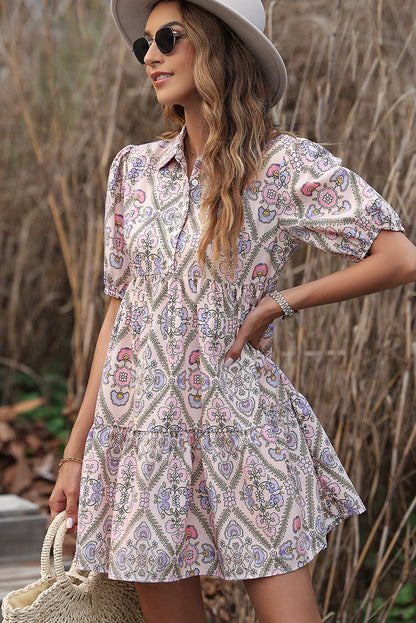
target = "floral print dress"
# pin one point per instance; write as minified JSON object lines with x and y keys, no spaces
{"x":191,"y":468}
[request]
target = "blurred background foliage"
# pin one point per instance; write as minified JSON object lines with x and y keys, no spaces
{"x":71,"y":96}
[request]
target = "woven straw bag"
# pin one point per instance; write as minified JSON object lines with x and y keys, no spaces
{"x":66,"y":597}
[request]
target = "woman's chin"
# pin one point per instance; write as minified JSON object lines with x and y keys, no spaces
{"x":170,"y":99}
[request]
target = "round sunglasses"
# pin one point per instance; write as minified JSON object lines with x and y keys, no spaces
{"x":165,"y":40}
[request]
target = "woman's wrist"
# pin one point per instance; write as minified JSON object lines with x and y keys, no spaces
{"x":286,"y":308}
{"x":69,"y":459}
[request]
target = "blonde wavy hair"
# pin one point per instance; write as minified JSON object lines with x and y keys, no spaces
{"x":237,"y":111}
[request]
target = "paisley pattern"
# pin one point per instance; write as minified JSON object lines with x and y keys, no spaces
{"x":191,"y":468}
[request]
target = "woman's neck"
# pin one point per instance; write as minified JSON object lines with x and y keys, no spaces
{"x":195,"y":129}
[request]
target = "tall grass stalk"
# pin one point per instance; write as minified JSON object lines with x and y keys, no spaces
{"x":72,"y":96}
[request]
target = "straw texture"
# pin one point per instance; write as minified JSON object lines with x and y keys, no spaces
{"x":65,"y":597}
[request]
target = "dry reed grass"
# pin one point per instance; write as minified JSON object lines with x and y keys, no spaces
{"x":71,"y":97}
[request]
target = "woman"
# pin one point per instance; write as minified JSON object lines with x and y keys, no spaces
{"x":199,"y":455}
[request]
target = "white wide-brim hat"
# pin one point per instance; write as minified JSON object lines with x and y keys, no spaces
{"x":246,"y":17}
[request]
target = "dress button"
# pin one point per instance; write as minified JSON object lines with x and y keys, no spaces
{"x":194,"y":182}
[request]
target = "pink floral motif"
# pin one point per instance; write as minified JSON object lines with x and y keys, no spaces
{"x":328,"y":198}
{"x":196,"y":380}
{"x":124,"y":354}
{"x":190,"y":532}
{"x":218,"y":411}
{"x":297,"y":524}
{"x":175,"y":529}
{"x":140,"y":195}
{"x":213,"y":351}
{"x":260,"y":270}
{"x":268,"y":525}
{"x":118,"y":241}
{"x":270,"y":194}
{"x":233,"y":276}
{"x":90,"y":465}
{"x":285,"y":205}
{"x":110,"y":494}
{"x":174,"y":350}
{"x":128,"y":467}
{"x":176,"y":471}
{"x":368,"y":192}
{"x":118,"y":220}
{"x":166,"y":189}
{"x":303,"y":544}
{"x":254,"y":468}
{"x":194,"y":358}
{"x":149,"y":239}
{"x":171,"y":411}
{"x":331,"y":233}
{"x":122,"y":377}
{"x":274,"y":171}
{"x":309,"y":187}
{"x":327,"y":484}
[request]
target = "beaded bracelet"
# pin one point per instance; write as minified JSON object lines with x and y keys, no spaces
{"x":288,"y":312}
{"x":66,"y":459}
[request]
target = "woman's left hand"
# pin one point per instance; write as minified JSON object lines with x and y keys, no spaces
{"x":253,"y":327}
{"x":391,"y":261}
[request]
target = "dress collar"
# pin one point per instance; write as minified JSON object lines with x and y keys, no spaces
{"x":173,"y":149}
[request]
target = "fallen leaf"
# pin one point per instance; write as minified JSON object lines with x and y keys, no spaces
{"x":10,"y":412}
{"x":45,"y":467}
{"x":23,"y":477}
{"x":34,"y":442}
{"x":7,"y":477}
{"x":6,"y":433}
{"x":16,"y":450}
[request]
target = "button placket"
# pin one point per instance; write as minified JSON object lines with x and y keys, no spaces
{"x":179,"y":222}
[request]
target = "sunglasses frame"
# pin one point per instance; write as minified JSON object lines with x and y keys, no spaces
{"x":177,"y":34}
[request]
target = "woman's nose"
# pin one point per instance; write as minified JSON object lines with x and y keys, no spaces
{"x":152,"y":55}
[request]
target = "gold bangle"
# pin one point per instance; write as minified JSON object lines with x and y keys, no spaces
{"x":66,"y":459}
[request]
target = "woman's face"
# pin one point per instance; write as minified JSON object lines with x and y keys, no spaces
{"x":172,"y":74}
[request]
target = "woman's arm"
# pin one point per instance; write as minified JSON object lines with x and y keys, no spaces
{"x":391,"y":262}
{"x":66,"y":491}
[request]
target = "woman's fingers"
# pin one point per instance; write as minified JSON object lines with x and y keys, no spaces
{"x":249,"y":332}
{"x":66,"y":494}
{"x":57,"y":501}
{"x":72,"y":509}
{"x":253,"y":328}
{"x":237,"y":347}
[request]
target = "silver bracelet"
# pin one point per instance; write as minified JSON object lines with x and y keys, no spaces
{"x":288,"y":312}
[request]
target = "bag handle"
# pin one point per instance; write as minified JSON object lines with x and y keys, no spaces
{"x":58,"y":557}
{"x":55,"y":538}
{"x":45,"y":564}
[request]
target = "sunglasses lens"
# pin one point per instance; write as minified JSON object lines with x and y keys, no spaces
{"x":140,"y":49}
{"x":165,"y":40}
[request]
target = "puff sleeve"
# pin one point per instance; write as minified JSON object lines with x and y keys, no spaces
{"x":327,"y":205}
{"x":117,"y":269}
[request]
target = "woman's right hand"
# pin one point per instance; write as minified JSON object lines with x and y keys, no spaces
{"x":65,"y":494}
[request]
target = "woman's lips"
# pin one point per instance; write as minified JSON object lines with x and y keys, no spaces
{"x":160,"y":79}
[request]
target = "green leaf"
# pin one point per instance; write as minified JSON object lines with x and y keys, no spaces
{"x":395,"y":613}
{"x":406,"y":595}
{"x":409,"y":613}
